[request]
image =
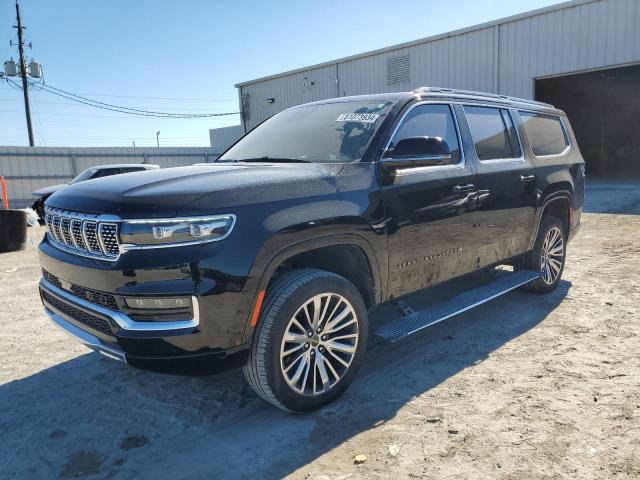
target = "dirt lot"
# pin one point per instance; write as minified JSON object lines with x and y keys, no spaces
{"x":524,"y":387}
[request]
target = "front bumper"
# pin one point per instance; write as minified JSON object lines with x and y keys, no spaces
{"x":141,"y":344}
{"x":118,"y":322}
{"x":91,"y":341}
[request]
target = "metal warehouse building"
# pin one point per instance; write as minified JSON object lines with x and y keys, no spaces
{"x":582,"y":56}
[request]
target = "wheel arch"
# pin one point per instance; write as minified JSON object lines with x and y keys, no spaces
{"x":555,"y":200}
{"x":352,"y":257}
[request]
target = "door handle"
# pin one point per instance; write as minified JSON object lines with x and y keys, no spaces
{"x":527,"y":178}
{"x":469,"y":187}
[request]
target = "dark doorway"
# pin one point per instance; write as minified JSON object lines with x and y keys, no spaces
{"x":604,"y":109}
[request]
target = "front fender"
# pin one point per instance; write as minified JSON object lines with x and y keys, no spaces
{"x":269,"y":260}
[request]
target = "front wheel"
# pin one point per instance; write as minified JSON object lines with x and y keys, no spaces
{"x":547,"y":256}
{"x":309,"y":341}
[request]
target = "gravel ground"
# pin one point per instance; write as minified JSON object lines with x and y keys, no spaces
{"x":524,"y":387}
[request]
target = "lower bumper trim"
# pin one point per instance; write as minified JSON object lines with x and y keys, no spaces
{"x":86,"y":338}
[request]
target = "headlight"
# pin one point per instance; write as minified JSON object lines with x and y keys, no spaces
{"x":174,"y":232}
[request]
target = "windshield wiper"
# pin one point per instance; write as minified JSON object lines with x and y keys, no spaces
{"x":274,"y":160}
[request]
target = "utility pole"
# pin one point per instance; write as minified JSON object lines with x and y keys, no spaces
{"x":23,"y":74}
{"x":158,"y":138}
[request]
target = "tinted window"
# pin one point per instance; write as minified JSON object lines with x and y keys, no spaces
{"x":85,"y":175}
{"x":106,"y":172}
{"x":132,"y":169}
{"x":430,"y":120}
{"x":493,"y":133}
{"x":327,"y":132}
{"x":545,"y":133}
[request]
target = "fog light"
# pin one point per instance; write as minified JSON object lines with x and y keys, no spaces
{"x":158,"y":303}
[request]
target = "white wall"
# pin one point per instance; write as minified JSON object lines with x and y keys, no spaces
{"x":223,"y":138}
{"x":29,"y":168}
{"x":504,"y":57}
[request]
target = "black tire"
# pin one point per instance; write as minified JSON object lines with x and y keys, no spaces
{"x":264,"y":368}
{"x":533,"y":260}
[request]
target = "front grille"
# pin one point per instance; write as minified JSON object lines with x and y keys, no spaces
{"x":76,"y":232}
{"x":109,"y":236}
{"x":94,"y":296}
{"x":91,"y":234}
{"x":83,"y":234}
{"x":51,"y":278}
{"x":65,"y":226}
{"x":77,"y":314}
{"x":103,"y":299}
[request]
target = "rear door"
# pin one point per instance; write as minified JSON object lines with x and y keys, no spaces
{"x":429,"y":209}
{"x":506,"y":183}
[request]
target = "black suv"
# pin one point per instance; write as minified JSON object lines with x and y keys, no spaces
{"x":272,"y":257}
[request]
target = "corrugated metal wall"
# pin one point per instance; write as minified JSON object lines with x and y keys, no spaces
{"x":29,"y":168}
{"x":223,"y":138}
{"x":593,"y":35}
{"x":504,"y":57}
{"x":308,"y":86}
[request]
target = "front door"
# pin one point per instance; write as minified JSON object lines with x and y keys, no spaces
{"x":506,"y":180}
{"x":429,"y":209}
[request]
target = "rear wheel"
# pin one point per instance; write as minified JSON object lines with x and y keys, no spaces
{"x":547,"y":256}
{"x":309,"y":341}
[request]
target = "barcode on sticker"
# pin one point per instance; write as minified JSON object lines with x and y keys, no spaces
{"x":358,"y":117}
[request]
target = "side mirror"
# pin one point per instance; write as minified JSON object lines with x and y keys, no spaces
{"x":417,"y":151}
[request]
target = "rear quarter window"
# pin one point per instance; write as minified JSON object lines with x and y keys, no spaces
{"x":546,"y":133}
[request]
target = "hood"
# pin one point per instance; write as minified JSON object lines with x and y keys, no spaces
{"x":166,"y":192}
{"x":43,"y":192}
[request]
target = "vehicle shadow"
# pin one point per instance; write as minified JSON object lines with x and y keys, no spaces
{"x":91,"y":416}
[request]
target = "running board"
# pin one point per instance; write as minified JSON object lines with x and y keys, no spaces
{"x":416,"y":321}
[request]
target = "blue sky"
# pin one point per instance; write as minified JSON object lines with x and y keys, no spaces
{"x":185,"y":56}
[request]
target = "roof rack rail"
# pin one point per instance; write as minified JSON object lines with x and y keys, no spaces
{"x":473,"y":93}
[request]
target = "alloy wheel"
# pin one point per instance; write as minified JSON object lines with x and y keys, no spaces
{"x":552,"y":255}
{"x":319,"y":344}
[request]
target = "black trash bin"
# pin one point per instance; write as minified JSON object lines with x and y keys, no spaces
{"x":13,"y":230}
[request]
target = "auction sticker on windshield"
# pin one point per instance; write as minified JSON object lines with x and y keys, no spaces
{"x":358,"y":117}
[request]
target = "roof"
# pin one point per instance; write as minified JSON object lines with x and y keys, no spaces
{"x":481,"y":96}
{"x":442,"y":93}
{"x":146,"y":166}
{"x":380,"y":97}
{"x":502,"y":21}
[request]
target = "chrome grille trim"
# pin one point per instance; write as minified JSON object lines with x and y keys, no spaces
{"x":49,"y":221}
{"x":65,"y":227}
{"x":84,"y":234}
{"x":76,"y":234}
{"x":91,"y":236}
{"x":56,"y":229}
{"x":108,"y":238}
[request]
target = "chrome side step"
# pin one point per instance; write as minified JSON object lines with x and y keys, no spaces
{"x":418,"y":320}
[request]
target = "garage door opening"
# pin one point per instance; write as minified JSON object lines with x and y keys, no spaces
{"x":604,"y":109}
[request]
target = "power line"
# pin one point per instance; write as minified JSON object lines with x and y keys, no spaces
{"x":119,"y":108}
{"x":79,"y":105}
{"x":88,"y":115}
{"x":180,"y":99}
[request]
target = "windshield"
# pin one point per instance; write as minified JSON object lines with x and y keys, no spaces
{"x":330,"y":132}
{"x":86,"y":175}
